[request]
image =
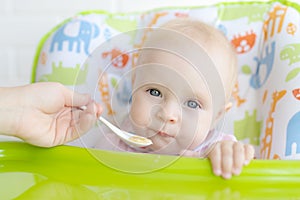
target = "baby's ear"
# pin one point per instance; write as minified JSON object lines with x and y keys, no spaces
{"x":228,"y":106}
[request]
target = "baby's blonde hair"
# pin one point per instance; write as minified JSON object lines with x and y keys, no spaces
{"x":209,"y":38}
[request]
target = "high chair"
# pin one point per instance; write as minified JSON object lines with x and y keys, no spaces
{"x":266,"y":97}
{"x":265,"y":112}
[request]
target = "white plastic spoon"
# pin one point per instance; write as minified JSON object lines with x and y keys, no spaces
{"x":129,"y":138}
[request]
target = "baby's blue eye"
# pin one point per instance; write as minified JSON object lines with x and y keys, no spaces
{"x":154,"y":92}
{"x":193,"y":104}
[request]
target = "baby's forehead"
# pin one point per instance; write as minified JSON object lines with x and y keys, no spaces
{"x":194,"y":40}
{"x":219,"y":58}
{"x":160,"y":66}
{"x":182,"y":81}
{"x":161,"y":56}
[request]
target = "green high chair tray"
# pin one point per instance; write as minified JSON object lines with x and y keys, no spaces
{"x":66,"y":172}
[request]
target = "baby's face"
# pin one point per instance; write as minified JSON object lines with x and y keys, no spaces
{"x":171,"y":105}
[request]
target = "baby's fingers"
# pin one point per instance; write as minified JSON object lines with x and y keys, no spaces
{"x":215,"y":159}
{"x":238,"y":158}
{"x":227,"y":158}
{"x":249,"y":153}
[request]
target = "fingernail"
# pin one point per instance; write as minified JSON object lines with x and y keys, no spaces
{"x":226,"y":176}
{"x":217,"y":172}
{"x":246,"y":162}
{"x":83,"y":107}
{"x":236,"y":171}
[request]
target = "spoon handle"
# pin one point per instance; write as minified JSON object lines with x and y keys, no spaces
{"x":111,"y":126}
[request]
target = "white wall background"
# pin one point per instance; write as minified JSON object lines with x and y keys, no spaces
{"x":24,"y":22}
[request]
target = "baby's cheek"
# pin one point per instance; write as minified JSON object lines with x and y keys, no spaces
{"x":200,"y":137}
{"x":139,"y":113}
{"x":195,"y":132}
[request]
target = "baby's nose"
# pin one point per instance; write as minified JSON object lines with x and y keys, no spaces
{"x":170,"y":117}
{"x":170,"y":113}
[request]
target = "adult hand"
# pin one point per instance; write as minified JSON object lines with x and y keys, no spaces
{"x":46,"y":114}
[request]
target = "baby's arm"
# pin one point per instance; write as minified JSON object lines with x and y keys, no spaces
{"x":228,"y":157}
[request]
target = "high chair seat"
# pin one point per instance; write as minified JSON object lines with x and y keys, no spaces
{"x":266,"y":36}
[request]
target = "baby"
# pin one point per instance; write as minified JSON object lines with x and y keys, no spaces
{"x":182,"y":85}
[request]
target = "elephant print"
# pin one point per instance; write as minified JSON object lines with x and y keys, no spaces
{"x":77,"y":32}
{"x":293,"y":135}
{"x":258,"y":79}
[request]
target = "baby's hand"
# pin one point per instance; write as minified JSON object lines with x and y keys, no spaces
{"x":228,"y":158}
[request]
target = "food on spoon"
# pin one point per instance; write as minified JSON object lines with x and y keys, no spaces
{"x":140,"y":140}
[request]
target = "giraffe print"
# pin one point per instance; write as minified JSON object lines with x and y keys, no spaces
{"x":265,"y":150}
